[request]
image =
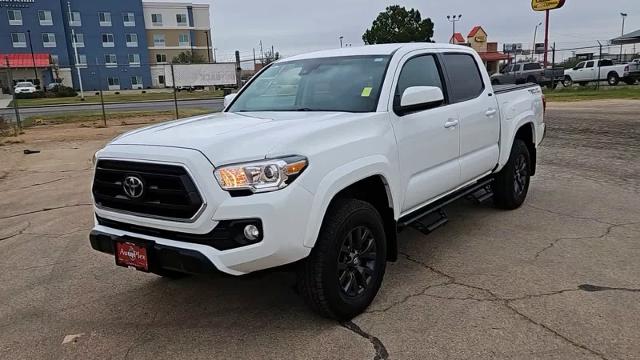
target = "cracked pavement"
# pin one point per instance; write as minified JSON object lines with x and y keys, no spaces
{"x":557,"y":279}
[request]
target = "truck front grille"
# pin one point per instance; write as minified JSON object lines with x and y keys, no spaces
{"x":154,"y":190}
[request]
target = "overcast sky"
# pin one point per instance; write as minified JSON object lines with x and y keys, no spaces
{"x":299,"y":26}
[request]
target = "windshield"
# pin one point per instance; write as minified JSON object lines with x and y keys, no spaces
{"x":350,"y":84}
{"x":24,"y":84}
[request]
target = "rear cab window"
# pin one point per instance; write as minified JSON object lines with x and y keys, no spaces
{"x":532,"y":66}
{"x":465,"y":79}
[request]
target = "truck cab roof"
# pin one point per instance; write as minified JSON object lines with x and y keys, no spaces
{"x":382,"y":49}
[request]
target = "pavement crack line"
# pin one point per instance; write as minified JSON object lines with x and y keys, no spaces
{"x":378,"y":346}
{"x":604,"y":235}
{"x":577,"y":217}
{"x":19,"y":232}
{"x":506,"y":302}
{"x":44,"y":210}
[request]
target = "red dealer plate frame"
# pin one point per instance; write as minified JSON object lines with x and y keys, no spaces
{"x":129,"y":254}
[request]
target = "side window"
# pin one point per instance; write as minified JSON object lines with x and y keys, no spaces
{"x":532,"y":66}
{"x":465,"y":81}
{"x":580,"y":66}
{"x":589,"y":64}
{"x":418,"y":71}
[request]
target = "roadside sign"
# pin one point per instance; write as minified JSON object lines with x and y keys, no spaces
{"x":201,"y":74}
{"x":544,"y":5}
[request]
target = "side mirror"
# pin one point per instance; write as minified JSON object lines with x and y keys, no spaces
{"x":229,"y":99}
{"x":418,"y":98}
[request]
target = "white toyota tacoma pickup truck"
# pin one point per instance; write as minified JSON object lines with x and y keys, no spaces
{"x":318,"y":162}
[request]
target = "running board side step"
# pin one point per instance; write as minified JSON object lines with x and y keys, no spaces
{"x":432,"y":216}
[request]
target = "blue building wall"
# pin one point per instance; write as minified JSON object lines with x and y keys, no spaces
{"x":93,"y":76}
{"x":30,"y":21}
{"x":96,"y":74}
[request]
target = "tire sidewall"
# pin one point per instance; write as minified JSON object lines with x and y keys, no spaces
{"x":519,"y":148}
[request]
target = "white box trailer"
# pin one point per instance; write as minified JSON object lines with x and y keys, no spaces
{"x":193,"y":75}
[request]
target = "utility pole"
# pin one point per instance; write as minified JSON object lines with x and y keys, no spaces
{"x":535,"y":35}
{"x":546,"y":39}
{"x":75,"y":50}
{"x":624,"y":16}
{"x":261,"y":53}
{"x":33,"y":58}
{"x":453,"y":19}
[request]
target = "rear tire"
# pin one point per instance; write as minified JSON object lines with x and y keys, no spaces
{"x":511,"y":184}
{"x":567,"y":82}
{"x":344,"y":271}
{"x":613,"y":79}
{"x":630,"y":81}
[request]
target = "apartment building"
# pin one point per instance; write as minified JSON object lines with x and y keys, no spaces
{"x":175,"y":28}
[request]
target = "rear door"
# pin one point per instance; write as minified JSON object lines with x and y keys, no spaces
{"x":428,"y":140}
{"x":472,"y":98}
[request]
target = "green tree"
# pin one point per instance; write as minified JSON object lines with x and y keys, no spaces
{"x":188,"y":57}
{"x":397,"y":25}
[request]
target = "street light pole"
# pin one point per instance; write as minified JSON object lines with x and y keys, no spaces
{"x":33,"y":58}
{"x":453,"y":19}
{"x":535,"y":35}
{"x":341,"y":38}
{"x":624,"y":16}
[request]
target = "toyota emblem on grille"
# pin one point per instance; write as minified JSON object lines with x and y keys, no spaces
{"x":133,"y":187}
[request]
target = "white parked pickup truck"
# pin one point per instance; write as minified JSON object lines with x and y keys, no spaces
{"x":318,"y":162}
{"x":587,"y":71}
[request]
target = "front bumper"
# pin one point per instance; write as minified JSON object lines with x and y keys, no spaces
{"x":284,"y":216}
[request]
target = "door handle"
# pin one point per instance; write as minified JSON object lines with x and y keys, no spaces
{"x":491,"y":112}
{"x":451,"y":123}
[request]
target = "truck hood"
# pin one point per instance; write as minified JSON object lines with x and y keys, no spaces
{"x":235,"y":137}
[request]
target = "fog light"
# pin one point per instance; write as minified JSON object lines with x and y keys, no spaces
{"x":251,"y":232}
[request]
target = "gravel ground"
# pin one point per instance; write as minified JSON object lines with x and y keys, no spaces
{"x":557,"y":279}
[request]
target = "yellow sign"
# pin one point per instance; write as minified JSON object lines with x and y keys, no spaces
{"x":544,"y":5}
{"x":481,"y":38}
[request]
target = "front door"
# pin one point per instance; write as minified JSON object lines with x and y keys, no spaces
{"x":428,"y":140}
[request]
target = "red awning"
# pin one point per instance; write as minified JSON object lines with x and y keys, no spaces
{"x":493,"y":56}
{"x":24,"y":60}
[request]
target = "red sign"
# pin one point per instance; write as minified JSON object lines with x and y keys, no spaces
{"x":132,"y":255}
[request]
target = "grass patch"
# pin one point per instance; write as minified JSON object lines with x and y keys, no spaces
{"x":96,"y":116}
{"x":128,"y":96}
{"x":590,"y":93}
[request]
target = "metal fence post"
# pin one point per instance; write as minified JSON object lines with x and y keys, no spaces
{"x":16,"y":107}
{"x":599,"y":66}
{"x":175,"y":94}
{"x":553,"y":66}
{"x":104,"y":113}
{"x":238,"y":71}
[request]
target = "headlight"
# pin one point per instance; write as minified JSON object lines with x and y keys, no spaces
{"x":261,"y":176}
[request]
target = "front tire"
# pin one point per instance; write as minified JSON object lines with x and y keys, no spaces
{"x":511,"y":184}
{"x":567,"y":82}
{"x":613,"y":79}
{"x":344,"y":271}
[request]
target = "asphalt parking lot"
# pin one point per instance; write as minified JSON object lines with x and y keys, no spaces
{"x":556,"y":279}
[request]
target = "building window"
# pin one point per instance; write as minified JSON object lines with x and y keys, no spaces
{"x":161,"y":58}
{"x":79,"y":40}
{"x":15,"y":17}
{"x":183,"y":40}
{"x":19,"y":40}
{"x":82,"y":60}
{"x":75,"y":19}
{"x":107,"y":41}
{"x":182,"y":19}
{"x":156,"y":19}
{"x":136,"y":82}
{"x":45,"y":17}
{"x":161,"y":79}
{"x":114,"y":83}
{"x":158,"y":40}
{"x":105,"y":18}
{"x":132,"y":40}
{"x":134,"y":59}
{"x":110,"y":60}
{"x":129,"y":19}
{"x":49,"y":40}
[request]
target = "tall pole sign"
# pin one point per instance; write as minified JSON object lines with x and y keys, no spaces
{"x":546,"y":6}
